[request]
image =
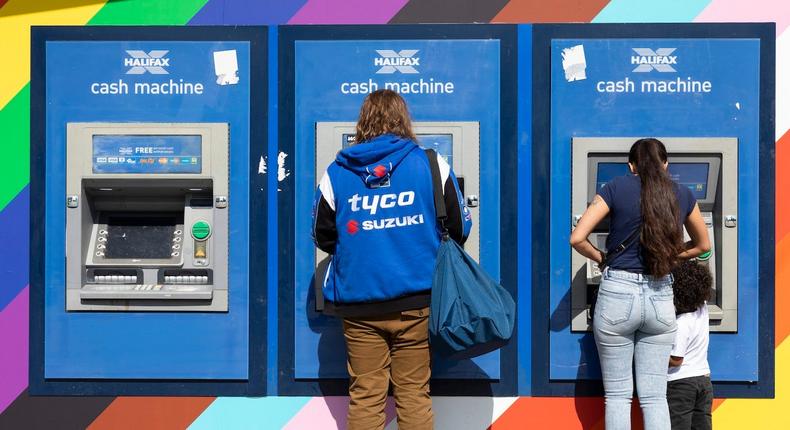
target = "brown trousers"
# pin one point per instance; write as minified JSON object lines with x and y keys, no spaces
{"x":386,"y":348}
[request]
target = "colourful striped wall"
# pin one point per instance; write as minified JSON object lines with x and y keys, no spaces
{"x":22,"y":411}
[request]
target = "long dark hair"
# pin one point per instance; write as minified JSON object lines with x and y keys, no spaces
{"x":661,"y":237}
{"x":383,"y":111}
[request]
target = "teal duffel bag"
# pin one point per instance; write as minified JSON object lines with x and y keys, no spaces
{"x":471,"y":314}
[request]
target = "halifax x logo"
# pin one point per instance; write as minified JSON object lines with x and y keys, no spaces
{"x":151,"y":62}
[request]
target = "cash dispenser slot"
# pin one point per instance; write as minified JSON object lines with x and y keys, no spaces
{"x":185,"y":277}
{"x":114,"y":276}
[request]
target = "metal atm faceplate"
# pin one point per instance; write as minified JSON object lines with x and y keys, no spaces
{"x":720,"y":157}
{"x":135,"y":191}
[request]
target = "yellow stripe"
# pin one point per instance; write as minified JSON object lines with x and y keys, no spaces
{"x":16,"y":17}
{"x":760,"y":413}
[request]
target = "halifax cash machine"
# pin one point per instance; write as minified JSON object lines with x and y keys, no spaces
{"x":709,"y":167}
{"x":146,"y":217}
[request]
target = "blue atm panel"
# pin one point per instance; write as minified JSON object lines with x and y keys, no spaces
{"x":709,"y":107}
{"x":132,"y":149}
{"x":455,"y":108}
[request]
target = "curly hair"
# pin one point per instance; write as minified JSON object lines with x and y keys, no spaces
{"x":692,"y":286}
{"x":383,"y":111}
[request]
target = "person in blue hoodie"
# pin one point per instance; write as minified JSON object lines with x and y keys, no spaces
{"x":374,"y":214}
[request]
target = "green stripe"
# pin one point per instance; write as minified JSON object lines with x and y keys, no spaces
{"x":147,"y":12}
{"x":15,"y":144}
{"x":15,"y":116}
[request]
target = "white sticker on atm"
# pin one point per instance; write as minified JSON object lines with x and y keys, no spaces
{"x":226,"y":67}
{"x":574,"y":63}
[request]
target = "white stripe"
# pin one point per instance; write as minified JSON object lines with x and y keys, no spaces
{"x":326,"y":190}
{"x":328,"y":269}
{"x":444,"y":170}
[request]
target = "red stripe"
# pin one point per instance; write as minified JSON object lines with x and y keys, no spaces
{"x":151,"y":413}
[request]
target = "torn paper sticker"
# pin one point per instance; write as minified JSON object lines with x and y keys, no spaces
{"x":282,"y":172}
{"x":574,"y":63}
{"x":262,"y":166}
{"x":226,"y":67}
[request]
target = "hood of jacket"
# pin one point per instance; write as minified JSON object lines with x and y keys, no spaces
{"x":375,"y":160}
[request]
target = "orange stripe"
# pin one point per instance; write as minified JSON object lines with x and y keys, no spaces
{"x":553,"y":412}
{"x":151,"y":413}
{"x":782,"y":292}
{"x":518,"y":11}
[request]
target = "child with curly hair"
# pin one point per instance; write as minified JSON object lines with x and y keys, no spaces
{"x":689,"y":390}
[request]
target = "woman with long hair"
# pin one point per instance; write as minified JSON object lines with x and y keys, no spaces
{"x":374,"y":214}
{"x":634,"y":320}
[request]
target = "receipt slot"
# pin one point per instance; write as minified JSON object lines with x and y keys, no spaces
{"x":709,"y":168}
{"x":147,"y":217}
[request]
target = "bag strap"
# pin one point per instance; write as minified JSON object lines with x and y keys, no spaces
{"x":630,"y":240}
{"x":438,"y":194}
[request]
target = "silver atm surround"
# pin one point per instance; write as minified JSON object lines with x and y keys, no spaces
{"x":719,"y":208}
{"x":94,"y":283}
{"x":465,"y":163}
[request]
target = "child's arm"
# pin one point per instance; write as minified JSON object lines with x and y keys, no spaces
{"x":681,"y":341}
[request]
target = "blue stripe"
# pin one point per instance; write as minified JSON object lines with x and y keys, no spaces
{"x":272,"y":244}
{"x":14,"y":253}
{"x":524,"y":209}
{"x":247,"y":12}
{"x":261,"y":413}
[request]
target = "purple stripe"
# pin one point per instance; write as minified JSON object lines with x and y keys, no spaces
{"x":15,"y":251}
{"x":246,"y":12}
{"x":347,"y":12}
{"x":13,"y":348}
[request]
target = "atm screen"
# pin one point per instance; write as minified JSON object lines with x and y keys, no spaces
{"x":609,"y":171}
{"x":348,"y":140}
{"x":140,"y":237}
{"x":147,"y":153}
{"x":441,"y":143}
{"x":691,"y":175}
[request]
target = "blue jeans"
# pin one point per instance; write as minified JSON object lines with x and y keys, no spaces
{"x":634,"y":323}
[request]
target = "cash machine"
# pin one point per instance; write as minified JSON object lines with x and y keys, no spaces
{"x":709,"y":168}
{"x":147,"y":217}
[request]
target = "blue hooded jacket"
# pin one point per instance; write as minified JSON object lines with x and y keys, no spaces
{"x":374,"y":213}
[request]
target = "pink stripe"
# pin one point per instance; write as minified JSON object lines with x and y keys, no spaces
{"x":748,"y":11}
{"x":13,"y":348}
{"x":347,"y":11}
{"x":328,"y":413}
